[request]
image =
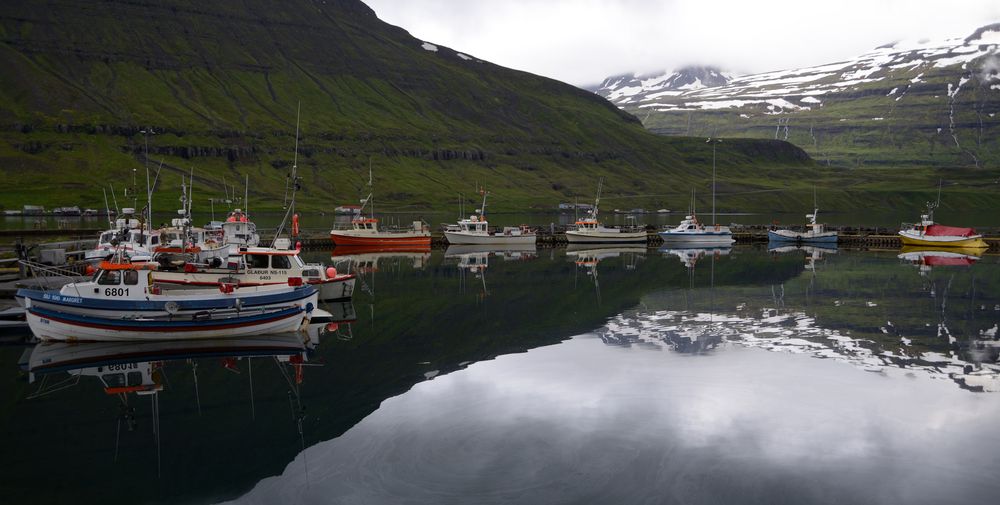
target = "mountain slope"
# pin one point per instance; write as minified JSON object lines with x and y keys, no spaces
{"x":219,"y":84}
{"x":928,"y":104}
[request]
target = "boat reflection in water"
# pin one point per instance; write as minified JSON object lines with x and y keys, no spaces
{"x":814,"y":252}
{"x":588,"y":255}
{"x":475,"y":258}
{"x":926,"y":258}
{"x":690,"y":256}
{"x":366,"y":258}
{"x":132,"y":371}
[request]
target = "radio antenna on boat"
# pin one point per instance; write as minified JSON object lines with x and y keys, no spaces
{"x":107,"y":209}
{"x":597,"y":201}
{"x":294,"y":181}
{"x":115,"y":199}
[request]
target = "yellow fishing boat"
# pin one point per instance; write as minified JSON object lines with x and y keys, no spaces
{"x":927,"y":233}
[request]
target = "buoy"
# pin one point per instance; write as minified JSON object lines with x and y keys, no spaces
{"x":295,"y":225}
{"x":331,"y":272}
{"x":298,"y":246}
{"x":89,"y":270}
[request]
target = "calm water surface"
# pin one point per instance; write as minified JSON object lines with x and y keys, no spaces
{"x":548,"y":376}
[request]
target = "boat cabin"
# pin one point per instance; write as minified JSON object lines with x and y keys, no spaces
{"x":474,"y":225}
{"x":262,"y":258}
{"x":365,"y":223}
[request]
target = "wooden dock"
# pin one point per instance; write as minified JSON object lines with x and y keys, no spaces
{"x":546,"y":239}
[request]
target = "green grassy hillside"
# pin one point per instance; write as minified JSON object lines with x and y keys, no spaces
{"x":219,"y":84}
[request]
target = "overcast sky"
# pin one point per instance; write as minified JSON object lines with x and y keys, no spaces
{"x":584,"y":41}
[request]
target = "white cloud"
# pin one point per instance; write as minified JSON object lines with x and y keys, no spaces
{"x":583,"y":41}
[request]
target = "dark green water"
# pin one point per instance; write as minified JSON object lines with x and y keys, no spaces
{"x":554,"y":376}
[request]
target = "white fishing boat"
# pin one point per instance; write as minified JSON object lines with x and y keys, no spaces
{"x":128,"y":234}
{"x":122,"y":302}
{"x":691,"y":231}
{"x":590,"y":230}
{"x":239,"y":231}
{"x":181,"y":238}
{"x":475,"y":231}
{"x":814,"y":233}
{"x":258,"y":266}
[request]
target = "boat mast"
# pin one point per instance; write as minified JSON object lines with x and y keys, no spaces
{"x":294,"y":179}
{"x":714,"y":142}
{"x":815,"y":206}
{"x":482,"y":211}
{"x":149,"y":190}
{"x":597,"y":201}
{"x":107,"y":209}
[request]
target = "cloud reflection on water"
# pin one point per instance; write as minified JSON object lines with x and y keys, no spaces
{"x":578,"y":422}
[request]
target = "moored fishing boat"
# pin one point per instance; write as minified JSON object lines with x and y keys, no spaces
{"x":366,"y":230}
{"x":691,"y":231}
{"x":928,"y":233}
{"x":259,"y":266}
{"x":815,"y":233}
{"x":475,"y":231}
{"x":128,"y":234}
{"x":127,"y":291}
{"x":589,"y":229}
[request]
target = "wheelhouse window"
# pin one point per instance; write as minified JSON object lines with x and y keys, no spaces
{"x":281,"y":262}
{"x":256,"y":261}
{"x":110,"y":278}
{"x":131,"y":277}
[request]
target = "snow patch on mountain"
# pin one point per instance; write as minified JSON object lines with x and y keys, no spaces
{"x":707,"y":88}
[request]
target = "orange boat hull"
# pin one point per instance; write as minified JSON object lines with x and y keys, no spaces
{"x":383,"y":240}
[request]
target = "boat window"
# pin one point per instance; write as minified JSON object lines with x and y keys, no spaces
{"x":257,"y":261}
{"x":281,"y":262}
{"x":135,"y":378}
{"x":114,"y":380}
{"x":106,"y":237}
{"x":154,"y":240}
{"x":131,"y":277}
{"x":110,"y":278}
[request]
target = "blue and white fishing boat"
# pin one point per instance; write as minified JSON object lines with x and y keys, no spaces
{"x":814,"y":232}
{"x":122,"y":302}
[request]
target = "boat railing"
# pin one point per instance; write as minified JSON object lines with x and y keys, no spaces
{"x":41,"y":276}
